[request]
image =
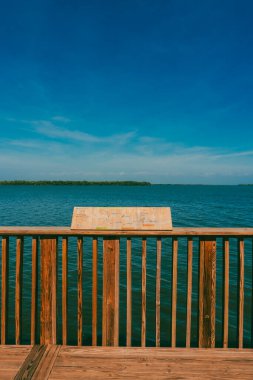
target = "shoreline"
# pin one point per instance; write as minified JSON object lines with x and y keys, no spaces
{"x":74,"y":183}
{"x":105,"y":183}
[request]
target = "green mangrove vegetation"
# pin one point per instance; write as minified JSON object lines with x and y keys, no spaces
{"x":82,"y":183}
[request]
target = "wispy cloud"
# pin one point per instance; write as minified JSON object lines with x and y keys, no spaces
{"x":186,"y":167}
{"x":62,"y":119}
{"x":49,"y":129}
{"x":32,"y":146}
{"x":235,"y":154}
{"x":55,"y":150}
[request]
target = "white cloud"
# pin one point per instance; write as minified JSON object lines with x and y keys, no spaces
{"x":235,"y":154}
{"x":184,"y":165}
{"x":62,"y":119}
{"x":49,"y":129}
{"x":65,"y":153}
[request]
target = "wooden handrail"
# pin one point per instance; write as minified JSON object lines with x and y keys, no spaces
{"x":45,"y":249}
{"x":177,"y":231}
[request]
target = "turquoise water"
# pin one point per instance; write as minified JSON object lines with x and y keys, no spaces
{"x":214,"y":206}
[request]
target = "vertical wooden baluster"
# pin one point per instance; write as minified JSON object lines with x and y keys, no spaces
{"x":94,"y":289}
{"x":143,"y":290}
{"x":158,"y":289}
{"x":4,"y":301}
{"x":18,"y":293}
{"x":110,"y":328}
{"x":226,"y":291}
{"x":48,"y":266}
{"x":116,"y":319}
{"x":174,"y":293}
{"x":241,"y":291}
{"x":189,"y":292}
{"x":129,"y":293}
{"x":80,"y":291}
{"x":207,"y":292}
{"x":34,"y":289}
{"x":64,"y":289}
{"x":201,"y":288}
{"x":54,"y":295}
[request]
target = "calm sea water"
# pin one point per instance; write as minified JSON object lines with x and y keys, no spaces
{"x":200,"y":206}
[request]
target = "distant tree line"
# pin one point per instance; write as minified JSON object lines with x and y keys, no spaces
{"x":83,"y":183}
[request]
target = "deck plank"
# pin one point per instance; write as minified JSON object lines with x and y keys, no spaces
{"x":31,"y":363}
{"x":38,"y":363}
{"x":46,"y":363}
{"x":155,"y":363}
{"x":11,"y":359}
{"x":65,"y":362}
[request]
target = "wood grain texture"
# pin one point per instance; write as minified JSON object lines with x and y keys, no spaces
{"x":110,"y":325}
{"x":11,"y":359}
{"x":143,"y":292}
{"x":241,"y":292}
{"x":4,"y":288}
{"x":34,"y":291}
{"x":46,"y":363}
{"x":174,"y":293}
{"x":48,"y":267}
{"x":38,"y":363}
{"x":94,"y":289}
{"x":18,"y":288}
{"x":158,"y":290}
{"x":207,"y":293}
{"x":226,"y":292}
{"x":64,"y":290}
{"x":31,"y":363}
{"x":151,"y":363}
{"x":201,"y":288}
{"x":116,"y":313}
{"x":178,"y":231}
{"x":129,"y":293}
{"x":59,"y":363}
{"x":189,"y":292}
{"x":80,"y":291}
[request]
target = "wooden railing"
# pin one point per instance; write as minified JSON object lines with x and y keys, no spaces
{"x":49,"y":289}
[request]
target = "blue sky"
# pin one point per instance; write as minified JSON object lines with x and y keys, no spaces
{"x":135,"y":89}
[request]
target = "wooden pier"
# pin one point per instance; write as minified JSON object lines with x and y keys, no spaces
{"x":48,"y":355}
{"x":65,"y":362}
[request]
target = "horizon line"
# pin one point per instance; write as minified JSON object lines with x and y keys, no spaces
{"x":107,"y":182}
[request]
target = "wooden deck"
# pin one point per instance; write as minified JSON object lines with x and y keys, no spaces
{"x":51,"y":361}
{"x":65,"y":362}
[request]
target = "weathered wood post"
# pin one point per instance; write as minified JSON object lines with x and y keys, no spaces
{"x":110,"y":329}
{"x":18,"y":283}
{"x":48,"y":257}
{"x":4,"y":288}
{"x":207,"y":292}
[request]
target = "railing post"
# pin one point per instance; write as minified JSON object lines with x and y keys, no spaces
{"x":207,"y":292}
{"x":48,"y":290}
{"x":4,"y":289}
{"x":110,"y":329}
